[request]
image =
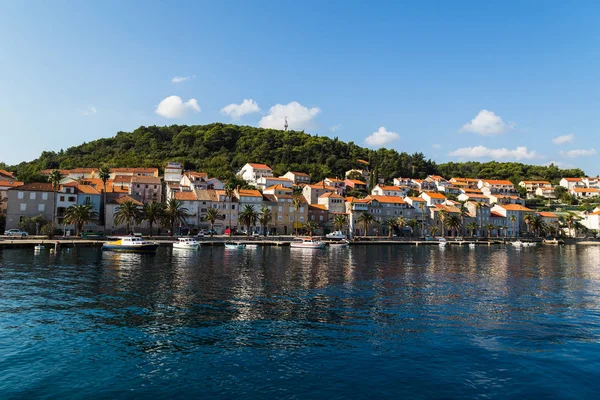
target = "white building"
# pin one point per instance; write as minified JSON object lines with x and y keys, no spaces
{"x":252,"y":172}
{"x":584,"y":193}
{"x":267,"y":181}
{"x":570,"y":183}
{"x":297,"y":177}
{"x":173,"y":172}
{"x":433,"y":198}
{"x":385,"y":190}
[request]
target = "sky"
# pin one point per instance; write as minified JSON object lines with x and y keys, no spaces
{"x":457,"y":81}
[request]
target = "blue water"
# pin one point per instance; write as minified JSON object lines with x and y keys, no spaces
{"x":365,"y":322}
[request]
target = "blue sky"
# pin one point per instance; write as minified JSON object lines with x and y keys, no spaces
{"x":511,"y":81}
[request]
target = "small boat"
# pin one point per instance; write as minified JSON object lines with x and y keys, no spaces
{"x":553,"y":242}
{"x":131,"y":244}
{"x":252,"y":246}
{"x":186,"y":244}
{"x":471,"y":245}
{"x":339,"y":245}
{"x":39,"y":247}
{"x":307,"y":243}
{"x":442,"y":242}
{"x":517,"y":243}
{"x":336,"y":235}
{"x":234,"y":246}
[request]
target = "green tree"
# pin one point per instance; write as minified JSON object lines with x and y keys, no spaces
{"x":513,"y":219}
{"x":79,"y":215}
{"x":296,"y":203}
{"x":471,"y":227}
{"x":453,"y":223}
{"x":54,"y":178}
{"x":413,"y":223}
{"x":212,"y":215}
{"x":153,"y":213}
{"x":392,"y":224}
{"x":128,"y":213}
{"x":489,"y":228}
{"x":248,"y":217}
{"x":366,"y":219}
{"x":265,"y":219}
{"x":442,"y":215}
{"x":104,"y":175}
{"x":311,"y":227}
{"x":229,"y":192}
{"x":340,"y":222}
{"x":175,"y":212}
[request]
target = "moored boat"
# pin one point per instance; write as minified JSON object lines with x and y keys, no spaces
{"x":517,"y":243}
{"x":442,"y":242}
{"x":186,"y":244}
{"x":553,"y":242}
{"x":234,"y":246}
{"x":336,"y":235}
{"x":339,"y":244}
{"x":131,"y":244}
{"x":307,"y":243}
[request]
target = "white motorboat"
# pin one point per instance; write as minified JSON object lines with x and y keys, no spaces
{"x":517,"y":243}
{"x":339,"y":245}
{"x":443,"y":242}
{"x":234,"y":246}
{"x":471,"y":245}
{"x":336,"y":235}
{"x":131,"y":244}
{"x":39,"y":247}
{"x":186,"y":244}
{"x":307,"y":243}
{"x":252,"y":246}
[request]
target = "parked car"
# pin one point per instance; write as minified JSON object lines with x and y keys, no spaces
{"x":15,"y":232}
{"x":200,"y":234}
{"x":210,"y":232}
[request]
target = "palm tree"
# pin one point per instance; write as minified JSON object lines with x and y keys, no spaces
{"x":527,"y":219}
{"x":366,"y":218}
{"x":175,"y":212}
{"x":433,"y":230}
{"x":296,"y":202}
{"x":54,"y":178}
{"x":537,"y":224}
{"x":311,"y":227}
{"x":265,"y":218}
{"x":513,"y":219}
{"x":454,"y":224}
{"x":212,"y":215}
{"x":229,"y":192}
{"x":489,"y":228}
{"x":153,"y":213}
{"x":463,"y":212}
{"x":248,"y":217}
{"x":422,"y":208}
{"x":442,"y":214}
{"x":401,"y":223}
{"x":413,"y":223}
{"x":471,"y":227}
{"x":391,"y":223}
{"x":79,"y":215}
{"x":340,"y":222}
{"x":104,"y":175}
{"x":128,"y":213}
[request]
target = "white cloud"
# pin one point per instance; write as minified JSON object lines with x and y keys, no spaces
{"x":235,"y":111}
{"x":90,"y":111}
{"x":381,"y":138}
{"x":520,"y":153}
{"x":335,"y":128}
{"x":174,"y":107}
{"x":436,"y":146}
{"x":578,"y":153}
{"x":298,"y":116}
{"x":563,"y":139}
{"x":486,"y":123}
{"x":179,"y":79}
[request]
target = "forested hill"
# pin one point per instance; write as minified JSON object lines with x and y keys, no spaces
{"x":221,"y":150}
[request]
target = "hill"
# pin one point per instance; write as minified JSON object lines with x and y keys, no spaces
{"x":222,"y":149}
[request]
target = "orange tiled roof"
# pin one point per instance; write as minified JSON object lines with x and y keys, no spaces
{"x":185,"y":196}
{"x":318,"y":206}
{"x":300,"y":173}
{"x":123,"y":199}
{"x":387,"y":199}
{"x":356,"y":181}
{"x":419,"y":199}
{"x":87,"y":189}
{"x":7,"y":174}
{"x":586,"y":190}
{"x":249,"y":193}
{"x":36,"y":187}
{"x":330,"y":194}
{"x":572,"y":179}
{"x":494,"y":214}
{"x":435,"y":195}
{"x":498,"y":182}
{"x":515,"y":207}
{"x":259,"y":166}
{"x":135,"y":170}
{"x":547,"y":214}
{"x":389,"y":188}
{"x":536,"y":182}
{"x":10,"y":184}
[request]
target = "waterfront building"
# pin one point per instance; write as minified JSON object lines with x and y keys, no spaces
{"x":28,"y":200}
{"x":190,"y":202}
{"x":510,"y":210}
{"x":549,"y":218}
{"x":112,"y":206}
{"x":354,"y":208}
{"x":147,"y":189}
{"x":312,"y":192}
{"x":592,"y":220}
{"x":285,"y":219}
{"x":5,"y":185}
{"x":228,"y":209}
{"x":435,"y":217}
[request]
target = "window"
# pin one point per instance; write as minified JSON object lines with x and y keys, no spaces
{"x":146,"y":186}
{"x":44,"y":196}
{"x":20,"y":195}
{"x":233,"y":206}
{"x":280,"y":209}
{"x":72,"y":199}
{"x":291,"y":209}
{"x":138,"y":186}
{"x":41,"y":207}
{"x":301,"y":218}
{"x":320,"y":218}
{"x":291,"y":218}
{"x":302,"y":209}
{"x":62,"y":198}
{"x":88,"y":200}
{"x":279,"y":218}
{"x":23,"y":207}
{"x":32,"y":196}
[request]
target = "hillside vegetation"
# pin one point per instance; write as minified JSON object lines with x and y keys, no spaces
{"x":222,"y":149}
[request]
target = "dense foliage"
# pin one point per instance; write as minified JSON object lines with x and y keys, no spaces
{"x":221,"y":150}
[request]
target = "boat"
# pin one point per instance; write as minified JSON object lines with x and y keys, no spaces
{"x":234,"y":246}
{"x":442,"y":242}
{"x":471,"y":245}
{"x":336,"y":235}
{"x":553,"y":242}
{"x":252,"y":246}
{"x":517,"y":243}
{"x":307,"y":243}
{"x":131,"y":244}
{"x":339,"y":244}
{"x":186,"y":244}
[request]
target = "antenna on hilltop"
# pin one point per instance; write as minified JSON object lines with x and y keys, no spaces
{"x":286,"y":125}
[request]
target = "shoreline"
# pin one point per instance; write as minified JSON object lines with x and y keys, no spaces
{"x":279,"y":242}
